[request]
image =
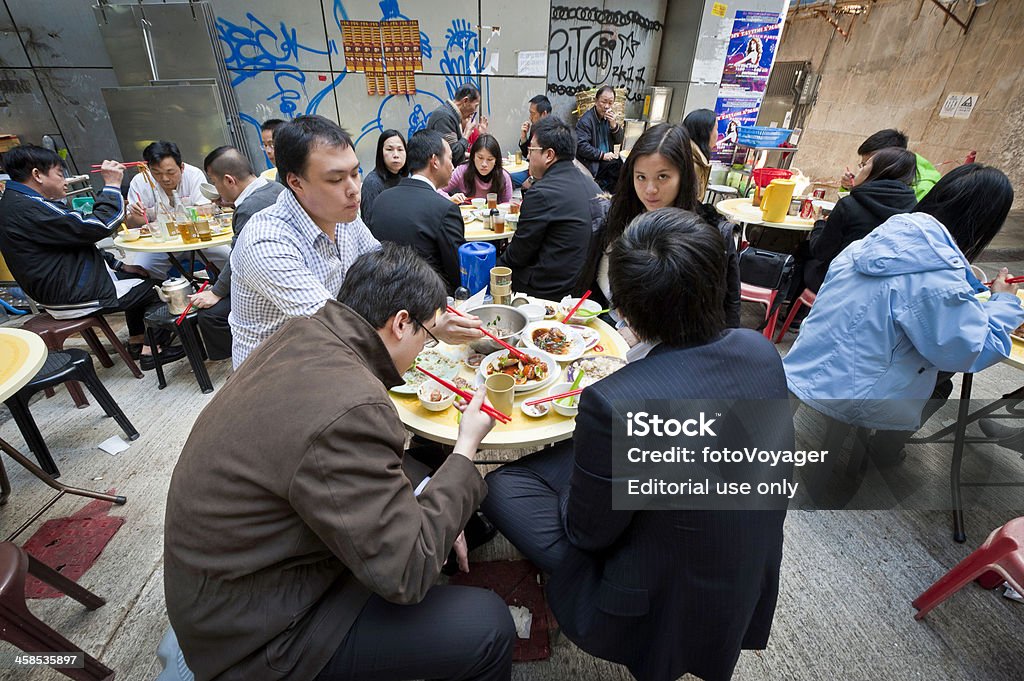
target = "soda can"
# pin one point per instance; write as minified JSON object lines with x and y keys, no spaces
{"x":807,"y":209}
{"x":819,"y":193}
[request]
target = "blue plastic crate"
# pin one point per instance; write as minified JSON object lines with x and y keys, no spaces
{"x":761,"y":136}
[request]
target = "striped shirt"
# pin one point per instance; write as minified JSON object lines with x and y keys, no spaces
{"x":284,"y":266}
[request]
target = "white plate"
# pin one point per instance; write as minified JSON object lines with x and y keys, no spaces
{"x":590,"y":335}
{"x":434,"y":362}
{"x":608,"y":365}
{"x":577,"y":346}
{"x":554,"y":371}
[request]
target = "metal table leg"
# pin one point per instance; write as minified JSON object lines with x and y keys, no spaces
{"x":50,"y":482}
{"x":958,"y":456}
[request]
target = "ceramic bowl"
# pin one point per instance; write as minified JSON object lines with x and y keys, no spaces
{"x":209,"y":191}
{"x":564,"y":409}
{"x":130,"y":234}
{"x":448,"y":397}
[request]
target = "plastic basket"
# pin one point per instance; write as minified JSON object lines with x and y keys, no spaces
{"x":764,"y":176}
{"x":760,"y":136}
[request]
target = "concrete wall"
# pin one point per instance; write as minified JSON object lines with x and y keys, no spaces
{"x":896,"y":70}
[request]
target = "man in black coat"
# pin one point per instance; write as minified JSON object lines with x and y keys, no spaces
{"x":415,"y":213}
{"x":549,"y":249}
{"x":597,"y":133}
{"x":237,"y":184}
{"x":664,"y":592}
{"x":456,"y":120}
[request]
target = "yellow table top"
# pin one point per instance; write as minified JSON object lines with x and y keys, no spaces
{"x":512,"y":168}
{"x":742,"y":210}
{"x":22,"y":353}
{"x":175,"y":245}
{"x":522,"y":430}
{"x":475,"y":228}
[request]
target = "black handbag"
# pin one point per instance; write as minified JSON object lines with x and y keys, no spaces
{"x":766,"y":269}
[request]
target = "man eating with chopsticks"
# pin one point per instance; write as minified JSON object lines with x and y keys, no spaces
{"x":303,"y":550}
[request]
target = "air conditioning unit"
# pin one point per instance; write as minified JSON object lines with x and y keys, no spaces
{"x":809,"y":89}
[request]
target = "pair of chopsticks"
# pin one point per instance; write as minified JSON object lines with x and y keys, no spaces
{"x":551,"y":398}
{"x":1011,"y":280}
{"x":576,"y":307}
{"x":98,"y":168}
{"x":498,"y":415}
{"x":188,"y":308}
{"x":519,"y":354}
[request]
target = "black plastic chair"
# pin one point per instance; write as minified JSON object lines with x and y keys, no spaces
{"x":67,"y":365}
{"x":188,"y":334}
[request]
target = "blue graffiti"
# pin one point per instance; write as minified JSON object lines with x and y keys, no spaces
{"x":389,"y":9}
{"x":417,"y":118}
{"x":461,"y":50}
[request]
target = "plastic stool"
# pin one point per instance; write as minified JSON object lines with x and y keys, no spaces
{"x":188,"y":334}
{"x":765,"y":296}
{"x":806,"y":298}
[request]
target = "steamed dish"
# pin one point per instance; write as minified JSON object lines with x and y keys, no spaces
{"x":436,"y":364}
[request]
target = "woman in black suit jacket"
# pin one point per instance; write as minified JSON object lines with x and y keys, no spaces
{"x":663,"y":592}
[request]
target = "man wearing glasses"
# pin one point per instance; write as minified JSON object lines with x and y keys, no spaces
{"x":550,"y":246}
{"x":302,"y":550}
{"x":267,"y":131}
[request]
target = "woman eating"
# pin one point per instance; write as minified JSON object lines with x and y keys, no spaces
{"x":483,"y":175}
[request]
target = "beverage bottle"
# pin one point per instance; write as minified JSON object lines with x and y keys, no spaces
{"x":461,"y":296}
{"x":159,"y":228}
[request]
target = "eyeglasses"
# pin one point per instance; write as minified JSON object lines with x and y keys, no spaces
{"x":432,"y":342}
{"x":528,"y":149}
{"x":268,"y":145}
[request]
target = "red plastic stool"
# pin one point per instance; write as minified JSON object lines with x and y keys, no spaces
{"x":806,"y":298}
{"x":765,"y":296}
{"x":999,"y":559}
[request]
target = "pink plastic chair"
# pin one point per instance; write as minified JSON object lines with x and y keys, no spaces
{"x":806,"y":298}
{"x":765,"y":296}
{"x":999,"y":559}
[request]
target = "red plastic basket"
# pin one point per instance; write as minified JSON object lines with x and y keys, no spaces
{"x":764,"y":176}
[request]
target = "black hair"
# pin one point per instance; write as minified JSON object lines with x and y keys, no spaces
{"x":393,"y":278}
{"x":601,"y":90}
{"x":423,"y":145}
{"x":551,"y":132}
{"x":295,"y":141}
{"x":672,"y":142}
{"x":699,"y":124}
{"x":496,"y":178}
{"x":389,"y":178}
{"x":893,"y":163}
{"x":158,"y":151}
{"x":972,"y":201}
{"x":272,"y":124}
{"x":227,"y":160}
{"x":667,"y":272}
{"x":541,"y":103}
{"x":467,"y":90}
{"x":19,"y":162}
{"x":881,"y":140}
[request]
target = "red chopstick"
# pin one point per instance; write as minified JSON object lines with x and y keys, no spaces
{"x":520,"y":355}
{"x":498,"y":415}
{"x":125,"y":164}
{"x":188,"y":307}
{"x":549,"y":398}
{"x":573,"y":310}
{"x":1011,"y":280}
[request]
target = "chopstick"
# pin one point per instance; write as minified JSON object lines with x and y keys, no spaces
{"x":519,"y":354}
{"x":573,"y":310}
{"x":500,"y":416}
{"x":188,"y":308}
{"x":126,"y":164}
{"x":549,"y":398}
{"x":1011,"y":280}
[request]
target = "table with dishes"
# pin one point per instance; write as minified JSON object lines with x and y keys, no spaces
{"x":586,"y":347}
{"x":473,"y":217}
{"x":140,"y":241}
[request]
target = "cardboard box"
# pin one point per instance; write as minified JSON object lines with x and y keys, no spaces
{"x":8,"y":142}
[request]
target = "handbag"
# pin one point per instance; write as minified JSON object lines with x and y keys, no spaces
{"x":766,"y":269}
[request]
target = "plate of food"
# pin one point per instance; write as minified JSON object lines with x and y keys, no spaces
{"x":591,"y":336}
{"x":434,"y":362}
{"x":557,"y":339}
{"x":541,"y":371}
{"x":594,"y":369}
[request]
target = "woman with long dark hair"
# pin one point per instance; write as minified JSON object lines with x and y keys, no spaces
{"x":387,"y":173}
{"x":658,"y":174}
{"x":882,"y":188}
{"x":483,"y":174}
{"x":702,"y":127}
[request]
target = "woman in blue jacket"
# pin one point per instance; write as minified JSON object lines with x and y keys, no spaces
{"x":899,"y":306}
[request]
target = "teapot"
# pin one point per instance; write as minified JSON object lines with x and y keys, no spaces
{"x":775,"y":200}
{"x":175,"y":292}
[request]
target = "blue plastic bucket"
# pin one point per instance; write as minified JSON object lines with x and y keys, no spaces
{"x":476,"y":259}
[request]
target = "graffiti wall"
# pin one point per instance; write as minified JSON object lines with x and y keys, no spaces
{"x":603,"y":42}
{"x":286,"y":59}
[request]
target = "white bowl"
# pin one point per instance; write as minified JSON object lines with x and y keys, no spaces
{"x":536,"y":411}
{"x":479,"y":204}
{"x":588,"y":305}
{"x":130,"y":234}
{"x":209,"y":191}
{"x":563,"y":409}
{"x":533,"y":312}
{"x":424,"y":395}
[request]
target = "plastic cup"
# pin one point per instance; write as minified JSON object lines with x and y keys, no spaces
{"x":492,"y":200}
{"x":501,"y":392}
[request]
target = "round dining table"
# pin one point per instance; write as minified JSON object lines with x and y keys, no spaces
{"x":522,"y":431}
{"x":175,"y":244}
{"x":743,"y":210}
{"x":475,"y":230}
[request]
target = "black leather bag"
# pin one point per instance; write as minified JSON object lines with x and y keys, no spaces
{"x":766,"y":269}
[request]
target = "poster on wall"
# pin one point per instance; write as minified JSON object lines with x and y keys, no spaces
{"x":752,"y":46}
{"x":731,"y":113}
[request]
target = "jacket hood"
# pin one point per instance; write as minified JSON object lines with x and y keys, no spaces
{"x":884,"y":198}
{"x":908,"y":243}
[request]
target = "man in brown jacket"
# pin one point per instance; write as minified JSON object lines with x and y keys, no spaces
{"x":295,"y":546}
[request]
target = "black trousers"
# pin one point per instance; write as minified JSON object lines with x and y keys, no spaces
{"x":526,"y":501}
{"x":134,"y":304}
{"x":213,"y":325}
{"x":456,"y":632}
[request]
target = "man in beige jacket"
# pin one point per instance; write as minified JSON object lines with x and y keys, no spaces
{"x":295,"y":546}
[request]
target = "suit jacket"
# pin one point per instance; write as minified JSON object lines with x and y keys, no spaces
{"x":447,"y":120}
{"x":288,"y":506}
{"x":586,"y":139}
{"x":549,"y":249}
{"x":672,"y":592}
{"x":254,"y":203}
{"x":414,"y":213}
